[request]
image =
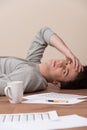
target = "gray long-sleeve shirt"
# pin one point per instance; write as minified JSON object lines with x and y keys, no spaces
{"x":27,"y":70}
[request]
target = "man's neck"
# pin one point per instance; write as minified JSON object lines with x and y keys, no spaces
{"x":44,"y":71}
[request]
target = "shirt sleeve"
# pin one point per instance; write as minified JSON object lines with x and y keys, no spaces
{"x":39,"y":43}
{"x":3,"y":83}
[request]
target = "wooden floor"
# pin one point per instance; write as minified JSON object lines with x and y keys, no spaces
{"x":79,"y":108}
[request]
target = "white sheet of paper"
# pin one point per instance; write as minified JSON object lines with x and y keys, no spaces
{"x":43,"y":98}
{"x":28,"y":117}
{"x":69,"y":121}
{"x":53,"y":95}
{"x":70,"y":102}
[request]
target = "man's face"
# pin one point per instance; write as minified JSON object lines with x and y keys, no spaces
{"x":61,"y":70}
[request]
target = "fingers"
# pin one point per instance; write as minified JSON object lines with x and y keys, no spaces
{"x":76,"y":63}
{"x":78,"y":66}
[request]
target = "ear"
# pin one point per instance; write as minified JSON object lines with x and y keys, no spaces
{"x":57,"y":84}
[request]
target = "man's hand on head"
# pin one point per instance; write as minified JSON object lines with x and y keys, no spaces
{"x":76,"y":63}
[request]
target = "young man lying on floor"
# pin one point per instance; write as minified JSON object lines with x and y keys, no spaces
{"x":34,"y":74}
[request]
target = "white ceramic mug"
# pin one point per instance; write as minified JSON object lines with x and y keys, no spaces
{"x":14,"y":91}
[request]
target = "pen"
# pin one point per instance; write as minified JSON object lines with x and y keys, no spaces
{"x":58,"y":100}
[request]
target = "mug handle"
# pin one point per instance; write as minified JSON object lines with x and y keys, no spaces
{"x":7,"y":92}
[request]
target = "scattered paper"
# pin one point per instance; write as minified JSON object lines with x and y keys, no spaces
{"x":60,"y":122}
{"x":28,"y":117}
{"x":61,"y":98}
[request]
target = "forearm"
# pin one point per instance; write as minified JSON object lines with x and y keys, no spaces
{"x":60,"y":45}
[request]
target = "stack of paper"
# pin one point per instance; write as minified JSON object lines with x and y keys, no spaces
{"x":54,"y":98}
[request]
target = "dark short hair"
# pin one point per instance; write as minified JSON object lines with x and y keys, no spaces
{"x":79,"y":83}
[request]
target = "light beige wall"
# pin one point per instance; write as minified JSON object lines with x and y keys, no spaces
{"x":21,"y":19}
